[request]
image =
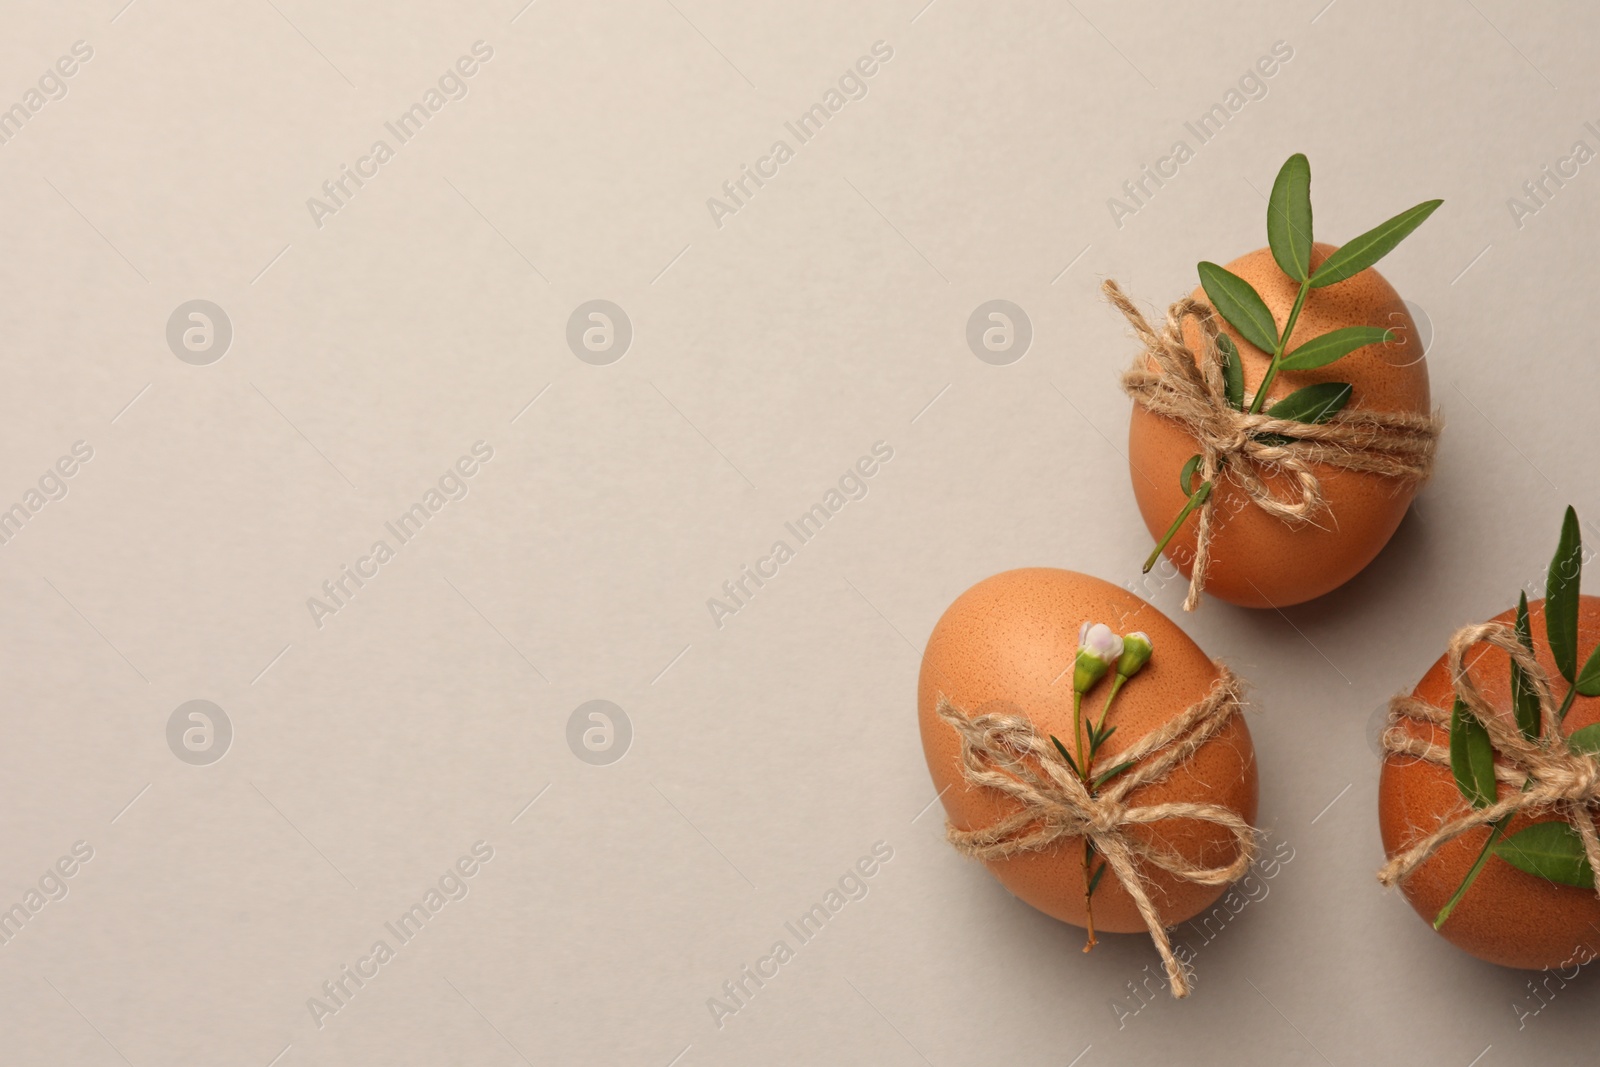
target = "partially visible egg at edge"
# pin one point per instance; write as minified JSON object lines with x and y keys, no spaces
{"x":1507,"y":916}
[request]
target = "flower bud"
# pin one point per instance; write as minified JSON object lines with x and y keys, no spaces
{"x":1136,"y":649}
{"x":1098,"y":650}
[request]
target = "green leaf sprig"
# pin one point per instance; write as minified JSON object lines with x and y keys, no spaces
{"x":1551,"y":850}
{"x":1236,"y":300}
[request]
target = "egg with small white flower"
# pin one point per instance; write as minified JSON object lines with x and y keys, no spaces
{"x":1020,"y":642}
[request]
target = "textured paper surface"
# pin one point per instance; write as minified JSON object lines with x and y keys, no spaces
{"x":770,"y":344}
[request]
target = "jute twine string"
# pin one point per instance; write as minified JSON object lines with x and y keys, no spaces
{"x":1393,"y":444}
{"x":1006,"y":753}
{"x":1557,"y":779}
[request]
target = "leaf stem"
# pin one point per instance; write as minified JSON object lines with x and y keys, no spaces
{"x":1278,"y":351}
{"x":1497,"y":828}
{"x":1196,"y":498}
{"x":1561,"y":714}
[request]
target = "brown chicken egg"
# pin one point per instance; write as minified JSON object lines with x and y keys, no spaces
{"x":1008,"y":645}
{"x":1507,"y":916}
{"x":1257,"y":559}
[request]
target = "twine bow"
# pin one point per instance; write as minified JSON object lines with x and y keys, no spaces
{"x":1535,"y":777}
{"x":1193,"y":391}
{"x":1006,"y":753}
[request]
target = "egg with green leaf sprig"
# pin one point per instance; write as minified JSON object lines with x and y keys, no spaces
{"x":1519,"y":893}
{"x":1306,"y":331}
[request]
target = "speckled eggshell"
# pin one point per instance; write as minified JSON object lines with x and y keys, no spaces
{"x":1507,"y":917}
{"x":1008,"y":644}
{"x":1258,"y":560}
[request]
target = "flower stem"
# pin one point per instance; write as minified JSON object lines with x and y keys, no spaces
{"x":1283,"y":343}
{"x":1088,"y":844}
{"x":1198,"y":497}
{"x":1116,"y":687}
{"x":1077,"y":731}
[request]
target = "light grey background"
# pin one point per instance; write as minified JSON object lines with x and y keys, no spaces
{"x":768,"y":354}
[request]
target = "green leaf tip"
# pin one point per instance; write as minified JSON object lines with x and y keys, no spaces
{"x":1066,"y":755}
{"x":1524,"y":698}
{"x":1361,"y":252}
{"x":1289,"y":218}
{"x":1314,"y":403}
{"x":1237,"y":302}
{"x":1551,"y":850}
{"x":1471,"y":757}
{"x":1561,"y":597}
{"x":1334,"y":345}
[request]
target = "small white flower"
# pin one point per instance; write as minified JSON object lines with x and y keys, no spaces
{"x":1100,"y":640}
{"x":1098,"y":649}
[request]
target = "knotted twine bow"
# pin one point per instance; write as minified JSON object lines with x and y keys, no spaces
{"x":1194,"y":392}
{"x":1006,"y":753}
{"x":1556,"y":778}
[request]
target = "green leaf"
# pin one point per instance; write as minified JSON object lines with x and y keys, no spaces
{"x":1112,"y":773}
{"x":1471,"y":757}
{"x":1589,"y":677}
{"x":1094,"y":879}
{"x":1586,"y":740}
{"x":1362,"y":252}
{"x":1241,"y":305}
{"x":1551,"y":850}
{"x":1314,"y":403}
{"x":1524,"y":698}
{"x":1186,"y":476}
{"x":1099,"y":738}
{"x":1561,"y":597}
{"x":1066,"y":756}
{"x":1232,"y":371}
{"x":1335,"y":344}
{"x":1289,"y":218}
